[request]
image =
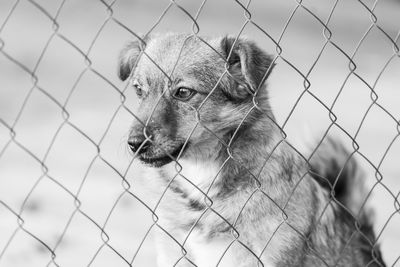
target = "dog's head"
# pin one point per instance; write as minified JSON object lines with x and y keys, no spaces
{"x":190,"y":91}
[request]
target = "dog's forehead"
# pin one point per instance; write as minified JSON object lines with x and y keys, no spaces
{"x":179,"y":53}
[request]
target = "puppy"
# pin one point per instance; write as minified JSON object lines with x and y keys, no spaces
{"x":232,"y":191}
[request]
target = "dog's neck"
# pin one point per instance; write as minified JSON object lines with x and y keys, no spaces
{"x":240,"y":155}
{"x":251,"y":148}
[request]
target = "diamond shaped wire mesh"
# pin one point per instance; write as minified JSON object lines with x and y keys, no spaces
{"x":69,"y":193}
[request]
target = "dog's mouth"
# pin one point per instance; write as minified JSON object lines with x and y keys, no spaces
{"x":160,"y":161}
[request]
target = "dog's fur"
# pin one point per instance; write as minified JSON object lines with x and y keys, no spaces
{"x":236,"y":193}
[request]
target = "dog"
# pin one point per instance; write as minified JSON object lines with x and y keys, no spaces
{"x":232,"y":191}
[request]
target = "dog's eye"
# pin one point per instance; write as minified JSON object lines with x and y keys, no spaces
{"x":138,"y":88}
{"x":184,"y":94}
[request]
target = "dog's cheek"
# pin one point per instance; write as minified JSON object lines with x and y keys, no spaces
{"x":175,"y":120}
{"x":187,"y":121}
{"x":208,"y":120}
{"x":228,"y":117}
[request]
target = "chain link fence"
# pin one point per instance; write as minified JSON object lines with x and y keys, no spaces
{"x":70,"y":192}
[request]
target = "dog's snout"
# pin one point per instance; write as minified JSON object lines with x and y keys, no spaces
{"x":138,"y":144}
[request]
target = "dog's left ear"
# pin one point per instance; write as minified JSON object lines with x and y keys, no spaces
{"x":248,"y":65}
{"x":128,"y":57}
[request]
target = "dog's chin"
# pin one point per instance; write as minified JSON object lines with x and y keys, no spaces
{"x":158,"y":161}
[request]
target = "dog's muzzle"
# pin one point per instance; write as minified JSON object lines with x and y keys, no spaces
{"x":148,"y":153}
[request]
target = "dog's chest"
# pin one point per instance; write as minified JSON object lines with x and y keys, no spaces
{"x":194,"y":177}
{"x":189,"y":191}
{"x":212,"y":252}
{"x":222,"y":252}
{"x":200,"y":173}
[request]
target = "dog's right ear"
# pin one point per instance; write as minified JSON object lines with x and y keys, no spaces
{"x":128,"y":57}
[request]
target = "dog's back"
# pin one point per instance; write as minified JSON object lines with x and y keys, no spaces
{"x":338,"y":172}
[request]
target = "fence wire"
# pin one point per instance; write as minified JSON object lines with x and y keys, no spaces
{"x":13,"y":230}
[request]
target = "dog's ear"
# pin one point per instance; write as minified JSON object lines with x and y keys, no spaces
{"x":128,"y":57}
{"x":248,"y":65}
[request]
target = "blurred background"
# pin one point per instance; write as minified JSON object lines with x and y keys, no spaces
{"x":69,"y":193}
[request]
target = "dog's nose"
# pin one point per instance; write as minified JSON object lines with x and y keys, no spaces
{"x":138,"y":142}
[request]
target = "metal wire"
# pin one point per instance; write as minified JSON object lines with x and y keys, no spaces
{"x":125,"y":186}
